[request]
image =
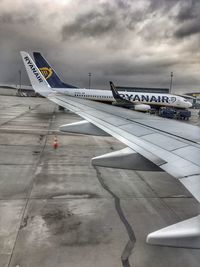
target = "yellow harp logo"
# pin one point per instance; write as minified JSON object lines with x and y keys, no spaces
{"x":46,"y":72}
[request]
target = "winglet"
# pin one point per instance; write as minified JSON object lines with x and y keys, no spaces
{"x":39,"y":84}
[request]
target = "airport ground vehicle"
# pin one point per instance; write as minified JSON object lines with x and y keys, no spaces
{"x":174,"y":114}
{"x":167,"y":113}
{"x":183,"y":114}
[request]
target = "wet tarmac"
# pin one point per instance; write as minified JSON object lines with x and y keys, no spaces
{"x":58,"y":210}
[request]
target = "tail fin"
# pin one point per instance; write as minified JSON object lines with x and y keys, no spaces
{"x":49,"y":73}
{"x":117,"y":96}
{"x":115,"y":92}
{"x":119,"y":100}
{"x":38,"y":82}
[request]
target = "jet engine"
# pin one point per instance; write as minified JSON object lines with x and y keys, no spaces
{"x":142,"y":107}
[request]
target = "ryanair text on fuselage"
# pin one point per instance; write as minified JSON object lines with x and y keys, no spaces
{"x":33,"y":69}
{"x":147,"y":98}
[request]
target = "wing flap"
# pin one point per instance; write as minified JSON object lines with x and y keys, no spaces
{"x":192,"y":183}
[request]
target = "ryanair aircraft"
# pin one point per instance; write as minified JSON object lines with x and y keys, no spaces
{"x":140,"y":101}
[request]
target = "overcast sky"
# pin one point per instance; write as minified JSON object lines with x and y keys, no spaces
{"x":132,"y":43}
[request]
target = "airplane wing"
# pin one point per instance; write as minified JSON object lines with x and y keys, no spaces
{"x":153,"y":143}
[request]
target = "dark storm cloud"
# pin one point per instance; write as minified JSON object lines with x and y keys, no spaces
{"x":17,"y":18}
{"x":90,"y":24}
{"x":124,"y":4}
{"x":113,"y":39}
{"x":156,"y":5}
{"x":188,"y":19}
{"x":20,"y":29}
{"x":188,"y":10}
{"x":183,"y":20}
{"x":105,"y":20}
{"x":189,"y":29}
{"x":131,"y":68}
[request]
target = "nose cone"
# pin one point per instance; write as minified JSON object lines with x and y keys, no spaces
{"x":189,"y":105}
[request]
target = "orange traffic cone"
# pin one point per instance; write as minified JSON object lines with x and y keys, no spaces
{"x":55,"y":142}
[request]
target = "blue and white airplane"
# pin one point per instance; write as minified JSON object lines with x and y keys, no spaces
{"x":141,"y":101}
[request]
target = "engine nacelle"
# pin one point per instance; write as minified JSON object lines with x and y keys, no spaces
{"x":142,"y":107}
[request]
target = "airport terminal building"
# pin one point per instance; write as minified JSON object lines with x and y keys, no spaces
{"x":143,"y":89}
{"x":194,"y":94}
{"x":196,"y":98}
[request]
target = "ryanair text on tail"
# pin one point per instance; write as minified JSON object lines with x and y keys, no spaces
{"x":39,"y":78}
